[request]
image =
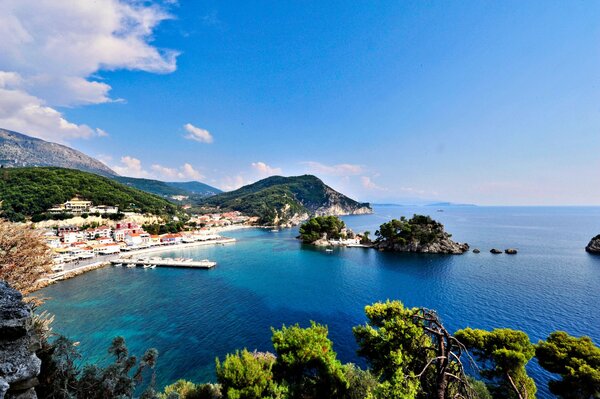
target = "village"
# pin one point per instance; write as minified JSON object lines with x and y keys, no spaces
{"x":72,"y":243}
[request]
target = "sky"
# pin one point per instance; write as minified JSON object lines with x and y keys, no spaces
{"x":485,"y":102}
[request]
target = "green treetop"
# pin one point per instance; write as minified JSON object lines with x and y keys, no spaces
{"x":503,"y":354}
{"x":577,"y":360}
{"x":315,"y":228}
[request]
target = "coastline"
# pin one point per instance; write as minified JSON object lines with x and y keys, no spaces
{"x":68,"y":274}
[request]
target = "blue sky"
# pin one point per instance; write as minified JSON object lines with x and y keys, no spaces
{"x":478,"y":102}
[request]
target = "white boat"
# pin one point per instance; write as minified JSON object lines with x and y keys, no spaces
{"x":131,"y":265}
{"x":118,"y":265}
{"x":149,"y":266}
{"x":153,"y":267}
{"x":274,"y":231}
{"x":329,"y":250}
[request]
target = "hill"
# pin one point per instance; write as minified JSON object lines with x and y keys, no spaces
{"x":283,"y":200}
{"x":19,"y":150}
{"x":196,"y":191}
{"x":32,"y":191}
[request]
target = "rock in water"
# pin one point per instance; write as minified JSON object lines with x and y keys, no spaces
{"x":594,"y":246}
{"x":476,"y":251}
{"x":420,"y":234}
{"x":510,"y":251}
{"x":19,"y":365}
{"x":495,"y":251}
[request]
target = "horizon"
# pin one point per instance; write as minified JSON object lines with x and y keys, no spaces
{"x":489,"y":104}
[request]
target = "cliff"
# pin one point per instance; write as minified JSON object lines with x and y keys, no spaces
{"x":19,"y":365}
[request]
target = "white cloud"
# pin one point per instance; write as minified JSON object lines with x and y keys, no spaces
{"x":197,"y":134}
{"x":185,"y":172}
{"x":50,"y":50}
{"x":229,"y":183}
{"x":265,"y":170}
{"x":131,"y":167}
{"x":344,"y":169}
{"x":369,"y":184}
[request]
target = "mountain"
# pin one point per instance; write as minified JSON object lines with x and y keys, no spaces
{"x":32,"y":191}
{"x":195,"y":187}
{"x":193,"y":191}
{"x":17,"y":150}
{"x":281,"y":200}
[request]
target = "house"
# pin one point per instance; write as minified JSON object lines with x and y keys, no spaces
{"x":171,"y":238}
{"x":73,"y":237}
{"x":133,"y":239}
{"x":98,"y":232}
{"x":107,"y":249}
{"x":104,"y":209}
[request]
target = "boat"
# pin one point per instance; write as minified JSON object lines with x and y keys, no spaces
{"x":148,"y":266}
{"x":328,"y":250}
{"x":118,"y":265}
{"x":274,"y":231}
{"x":206,"y":263}
{"x":153,"y":267}
{"x":131,"y":265}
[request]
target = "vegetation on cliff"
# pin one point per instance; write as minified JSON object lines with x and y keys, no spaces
{"x":27,"y":192}
{"x":317,"y":227}
{"x":195,"y":191}
{"x":418,"y":234}
{"x":277,"y":199}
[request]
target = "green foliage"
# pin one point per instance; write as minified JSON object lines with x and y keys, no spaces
{"x":307,"y":364}
{"x":196,"y":191}
{"x":164,"y":228}
{"x":314,"y":228}
{"x":503,"y":354}
{"x":32,"y":191}
{"x":247,"y":375}
{"x":393,"y":345}
{"x":278,"y":197}
{"x":183,"y":389}
{"x":365,"y":238}
{"x":576,"y":360}
{"x":419,"y":228}
{"x":62,"y":379}
{"x":361,"y":383}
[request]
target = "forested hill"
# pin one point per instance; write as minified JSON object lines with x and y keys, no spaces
{"x":277,"y":199}
{"x":192,"y":189}
{"x":32,"y":191}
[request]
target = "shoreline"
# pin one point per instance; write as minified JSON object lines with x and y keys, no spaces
{"x":69,"y":274}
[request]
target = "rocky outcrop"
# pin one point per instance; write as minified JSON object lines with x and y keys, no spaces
{"x":594,"y":246}
{"x":420,"y":234}
{"x":495,"y":251}
{"x":18,"y":150}
{"x":19,"y":365}
{"x":510,"y":251}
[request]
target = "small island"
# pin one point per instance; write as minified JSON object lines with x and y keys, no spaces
{"x":420,"y":234}
{"x":594,"y":245}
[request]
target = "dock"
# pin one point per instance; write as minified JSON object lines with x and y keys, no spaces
{"x":165,"y":262}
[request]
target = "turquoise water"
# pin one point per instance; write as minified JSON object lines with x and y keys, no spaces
{"x":267,"y":279}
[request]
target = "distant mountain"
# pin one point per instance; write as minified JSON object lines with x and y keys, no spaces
{"x":32,"y":191}
{"x":195,"y":187}
{"x":193,"y":190}
{"x":18,"y":150}
{"x":281,"y":200}
{"x":443,"y":204}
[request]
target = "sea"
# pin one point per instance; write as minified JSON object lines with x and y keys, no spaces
{"x":269,"y":279}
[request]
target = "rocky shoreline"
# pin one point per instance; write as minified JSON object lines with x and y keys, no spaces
{"x":594,"y":245}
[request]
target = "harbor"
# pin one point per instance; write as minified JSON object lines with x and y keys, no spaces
{"x":151,"y":263}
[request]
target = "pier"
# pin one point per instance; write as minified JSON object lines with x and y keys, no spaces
{"x":165,"y":262}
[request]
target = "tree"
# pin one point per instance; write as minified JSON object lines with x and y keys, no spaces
{"x":247,"y":375}
{"x":411,"y":352}
{"x":315,"y":228}
{"x":307,"y":364}
{"x":24,"y":256}
{"x":62,"y":379}
{"x":576,"y":360}
{"x":504,"y":353}
{"x":183,"y":389}
{"x":365,"y":238}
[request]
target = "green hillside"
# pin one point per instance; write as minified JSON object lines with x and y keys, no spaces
{"x":196,"y":191}
{"x":279,"y":198}
{"x":31,"y":191}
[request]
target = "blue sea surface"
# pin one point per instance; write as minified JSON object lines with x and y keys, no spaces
{"x":268,"y":279}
